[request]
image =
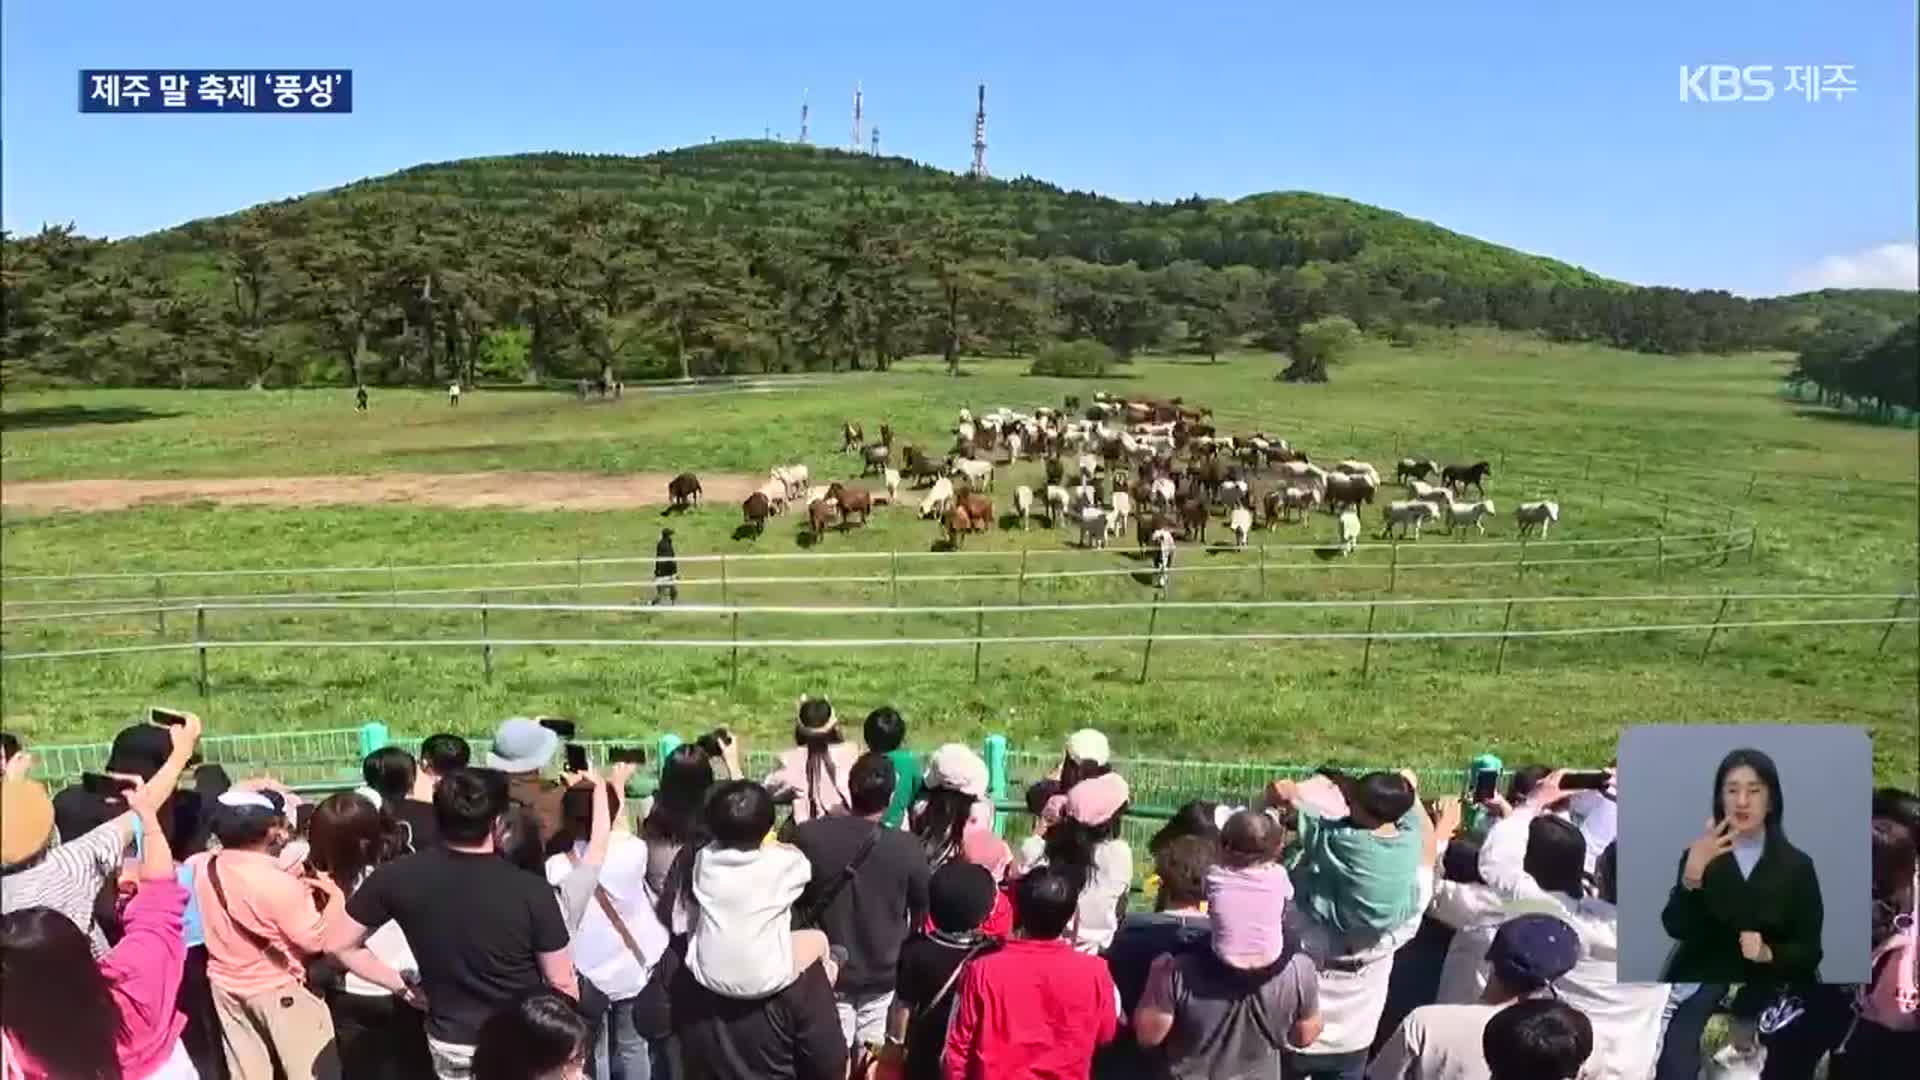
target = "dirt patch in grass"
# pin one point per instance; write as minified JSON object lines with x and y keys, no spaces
{"x":491,"y":490}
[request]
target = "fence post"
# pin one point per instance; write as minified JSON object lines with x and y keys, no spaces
{"x":1503,"y":460}
{"x":200,"y":643}
{"x":393,"y":581}
{"x":1521,"y":570}
{"x":1715,"y":630}
{"x":896,"y":578}
{"x":979,"y":630}
{"x":486,"y":641}
{"x":1263,"y":571}
{"x":1752,"y":479}
{"x":996,"y":755}
{"x":160,"y":604}
{"x":1589,"y":474}
{"x":1898,"y":603}
{"x":373,"y":736}
{"x":1500,"y":658}
{"x":1147,"y":656}
{"x":1753,"y":541}
{"x":723,"y":579}
{"x":1020,"y":593}
{"x":733,"y":668}
{"x":1661,"y":554}
{"x":1636,"y":472}
{"x":1393,"y":568}
{"x":1366,"y":656}
{"x":1726,"y":540}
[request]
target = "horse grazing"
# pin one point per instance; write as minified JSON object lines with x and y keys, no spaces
{"x":851,"y":436}
{"x":756,"y":510}
{"x":1458,"y":477}
{"x":683,"y":490}
{"x":1193,"y":519}
{"x":851,"y":501}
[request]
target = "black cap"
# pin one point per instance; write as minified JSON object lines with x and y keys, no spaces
{"x":140,"y":751}
{"x":1530,"y":951}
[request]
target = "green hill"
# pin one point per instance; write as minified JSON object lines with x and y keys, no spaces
{"x":749,"y":256}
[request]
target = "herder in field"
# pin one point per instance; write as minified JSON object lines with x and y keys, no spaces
{"x":665,"y":571}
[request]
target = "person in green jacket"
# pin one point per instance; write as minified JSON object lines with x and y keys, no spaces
{"x":885,"y":732}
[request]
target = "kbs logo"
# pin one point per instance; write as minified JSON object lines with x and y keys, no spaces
{"x":1726,"y":82}
{"x":1721,"y":83}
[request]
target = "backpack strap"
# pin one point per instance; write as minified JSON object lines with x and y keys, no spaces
{"x":818,"y":908}
{"x":273,"y":951}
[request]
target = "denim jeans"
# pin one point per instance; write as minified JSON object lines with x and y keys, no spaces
{"x":620,"y":1053}
{"x":1686,"y":1021}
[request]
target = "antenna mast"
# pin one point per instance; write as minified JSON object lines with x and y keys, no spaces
{"x":803,"y":118}
{"x":979,"y":170}
{"x":876,"y":141}
{"x":855,"y":145}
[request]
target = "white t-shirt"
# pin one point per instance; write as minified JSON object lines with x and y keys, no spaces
{"x":1625,"y":1016}
{"x":598,"y":951}
{"x":1436,"y":1042}
{"x":742,"y":943}
{"x":1099,"y":909}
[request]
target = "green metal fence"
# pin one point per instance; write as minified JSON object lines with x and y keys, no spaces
{"x":330,"y":760}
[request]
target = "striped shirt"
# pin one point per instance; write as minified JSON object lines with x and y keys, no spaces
{"x":69,"y":878}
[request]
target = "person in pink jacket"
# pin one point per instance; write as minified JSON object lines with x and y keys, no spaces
{"x":68,"y":1015}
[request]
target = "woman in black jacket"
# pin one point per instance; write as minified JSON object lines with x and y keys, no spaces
{"x":1746,"y":905}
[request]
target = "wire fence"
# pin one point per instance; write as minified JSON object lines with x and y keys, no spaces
{"x":738,"y":628}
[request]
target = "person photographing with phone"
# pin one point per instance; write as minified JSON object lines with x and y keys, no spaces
{"x":39,"y":867}
{"x":1745,"y":906}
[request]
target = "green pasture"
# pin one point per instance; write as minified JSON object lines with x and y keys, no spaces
{"x":1662,"y":458}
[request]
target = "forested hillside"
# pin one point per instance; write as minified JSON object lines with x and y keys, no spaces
{"x":758,"y":256}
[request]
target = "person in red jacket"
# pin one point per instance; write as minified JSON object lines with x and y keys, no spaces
{"x":1035,"y":1008}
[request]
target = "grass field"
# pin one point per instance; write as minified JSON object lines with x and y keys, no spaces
{"x":1702,"y":434}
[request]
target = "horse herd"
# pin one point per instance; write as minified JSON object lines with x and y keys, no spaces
{"x":1155,"y":464}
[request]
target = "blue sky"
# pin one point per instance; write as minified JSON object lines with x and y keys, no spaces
{"x":1555,"y":127}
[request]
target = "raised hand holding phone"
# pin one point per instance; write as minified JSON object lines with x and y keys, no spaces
{"x":1715,"y":840}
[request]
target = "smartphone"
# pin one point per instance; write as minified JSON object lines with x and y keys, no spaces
{"x":1584,"y":781}
{"x":634,"y":754}
{"x":558,"y":725}
{"x":102,"y":784}
{"x":576,"y":758}
{"x":166,"y":717}
{"x":1486,"y":783}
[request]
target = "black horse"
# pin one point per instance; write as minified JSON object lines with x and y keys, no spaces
{"x":1458,"y":477}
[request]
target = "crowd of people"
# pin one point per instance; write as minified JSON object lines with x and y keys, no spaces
{"x":855,"y":914}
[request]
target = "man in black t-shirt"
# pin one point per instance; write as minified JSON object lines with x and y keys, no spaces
{"x":871,"y":913}
{"x":482,"y":931}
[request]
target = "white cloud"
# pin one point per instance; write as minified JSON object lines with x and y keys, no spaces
{"x":1888,"y":266}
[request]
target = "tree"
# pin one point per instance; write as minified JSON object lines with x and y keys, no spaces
{"x":1319,"y":344}
{"x":957,"y":255}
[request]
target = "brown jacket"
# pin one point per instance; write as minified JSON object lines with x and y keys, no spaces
{"x":542,"y":797}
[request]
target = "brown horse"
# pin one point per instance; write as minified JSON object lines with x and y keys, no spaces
{"x":851,"y":501}
{"x":756,"y":510}
{"x":820,"y":515}
{"x":1193,"y":519}
{"x":978,"y":507}
{"x":958,"y":525}
{"x":683,"y":490}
